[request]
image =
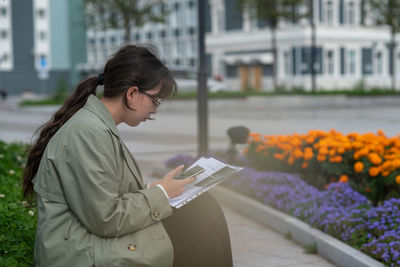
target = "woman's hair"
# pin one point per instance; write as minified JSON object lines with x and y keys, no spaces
{"x":131,"y":66}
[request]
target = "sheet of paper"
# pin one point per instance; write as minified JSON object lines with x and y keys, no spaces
{"x":210,"y":166}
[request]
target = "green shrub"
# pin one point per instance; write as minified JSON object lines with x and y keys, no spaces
{"x":17,"y":217}
{"x":61,"y":92}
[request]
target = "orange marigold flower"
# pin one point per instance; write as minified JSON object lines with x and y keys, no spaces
{"x":245,"y":150}
{"x":321,"y":158}
{"x":304,"y":165}
{"x":373,"y":171}
{"x":279,"y":156}
{"x":367,"y":189}
{"x":358,"y":167}
{"x":338,"y":159}
{"x":341,"y":150}
{"x":291,"y":160}
{"x":310,"y":140}
{"x":297,"y":153}
{"x":332,"y":152}
{"x":398,"y":179}
{"x":323,"y":151}
{"x":381,"y":132}
{"x":308,"y":155}
{"x":374,"y":158}
{"x":343,"y":178}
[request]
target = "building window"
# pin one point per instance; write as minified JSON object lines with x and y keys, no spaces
{"x":351,"y":14}
{"x":366,"y":59}
{"x":42,"y":35}
{"x":177,"y":32}
{"x":149,"y":35}
{"x":379,"y":65}
{"x":352,"y":62}
{"x":192,"y":62}
{"x":137,"y":36}
{"x":3,"y":34}
{"x":41,"y":13}
{"x":329,"y":62}
{"x":233,"y":16}
{"x":231,"y":71}
{"x":191,"y":30}
{"x":190,"y":4}
{"x":177,"y":61}
{"x":162,"y":33}
{"x":287,"y":62}
{"x":112,"y":39}
{"x":267,"y":70}
{"x":4,"y":58}
{"x":329,"y":12}
{"x":3,"y":11}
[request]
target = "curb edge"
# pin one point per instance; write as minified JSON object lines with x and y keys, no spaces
{"x":328,"y":247}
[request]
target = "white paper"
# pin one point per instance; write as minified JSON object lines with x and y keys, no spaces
{"x":210,"y":165}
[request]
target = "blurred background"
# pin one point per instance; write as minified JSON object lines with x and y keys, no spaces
{"x":255,"y":45}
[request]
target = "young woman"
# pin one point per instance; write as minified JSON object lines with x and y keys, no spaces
{"x":93,"y":208}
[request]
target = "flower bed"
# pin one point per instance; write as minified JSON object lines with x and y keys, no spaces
{"x":369,"y":162}
{"x":339,"y":210}
{"x":17,"y":217}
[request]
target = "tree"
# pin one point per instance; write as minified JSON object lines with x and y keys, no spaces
{"x":124,"y":14}
{"x":387,"y":12}
{"x":273,"y":11}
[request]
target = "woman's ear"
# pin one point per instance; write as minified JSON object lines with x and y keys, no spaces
{"x":131,"y":92}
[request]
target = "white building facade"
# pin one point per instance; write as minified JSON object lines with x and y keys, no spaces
{"x":176,"y":39}
{"x":349,"y":49}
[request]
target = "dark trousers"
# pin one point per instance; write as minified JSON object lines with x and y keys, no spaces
{"x":199,"y":234}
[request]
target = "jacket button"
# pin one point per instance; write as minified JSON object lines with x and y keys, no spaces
{"x":132,"y":247}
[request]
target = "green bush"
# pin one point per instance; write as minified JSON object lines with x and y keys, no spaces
{"x":17,"y":217}
{"x":61,"y":92}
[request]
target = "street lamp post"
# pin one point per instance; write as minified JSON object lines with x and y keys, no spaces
{"x":202,"y":106}
{"x":313,"y":48}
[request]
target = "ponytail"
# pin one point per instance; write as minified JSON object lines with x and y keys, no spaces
{"x":69,"y":108}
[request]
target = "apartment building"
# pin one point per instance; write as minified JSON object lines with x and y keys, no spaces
{"x":41,"y":42}
{"x":349,"y":48}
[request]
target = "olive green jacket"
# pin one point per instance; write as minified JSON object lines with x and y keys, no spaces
{"x":93,"y":209}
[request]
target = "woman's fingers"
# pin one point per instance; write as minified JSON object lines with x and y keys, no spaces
{"x":174,"y":172}
{"x":188,"y":180}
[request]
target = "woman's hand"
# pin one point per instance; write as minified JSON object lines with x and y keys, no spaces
{"x":172,"y":186}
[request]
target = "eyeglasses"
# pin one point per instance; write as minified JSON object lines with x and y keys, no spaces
{"x":156,"y":102}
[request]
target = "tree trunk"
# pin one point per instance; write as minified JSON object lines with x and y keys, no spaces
{"x":275,"y":55}
{"x":393,"y":49}
{"x":127,"y":29}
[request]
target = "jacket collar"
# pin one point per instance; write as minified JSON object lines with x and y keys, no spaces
{"x":94,"y":105}
{"x":97,"y":107}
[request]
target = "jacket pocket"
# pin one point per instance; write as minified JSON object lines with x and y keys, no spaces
{"x":67,"y":230}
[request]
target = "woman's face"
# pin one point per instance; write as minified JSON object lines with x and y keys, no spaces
{"x":143,"y":103}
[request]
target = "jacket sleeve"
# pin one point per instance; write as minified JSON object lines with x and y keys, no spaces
{"x":90,"y":172}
